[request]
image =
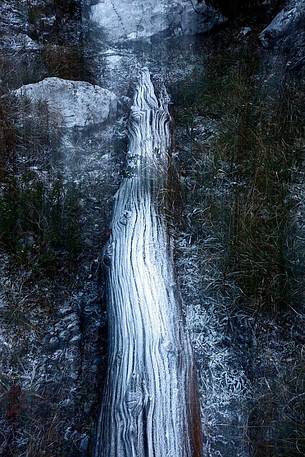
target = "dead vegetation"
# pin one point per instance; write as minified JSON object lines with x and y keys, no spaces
{"x":242,"y":131}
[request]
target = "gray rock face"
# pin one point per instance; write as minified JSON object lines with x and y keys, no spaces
{"x":18,"y":42}
{"x":285,"y":22}
{"x":75,"y":103}
{"x":13,"y":17}
{"x":286,"y":33}
{"x":135,"y":19}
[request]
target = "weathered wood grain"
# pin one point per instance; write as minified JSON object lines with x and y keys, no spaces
{"x":149,"y":406}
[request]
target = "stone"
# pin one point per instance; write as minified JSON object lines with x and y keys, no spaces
{"x":135,"y":19}
{"x":54,"y":343}
{"x":18,"y":42}
{"x":245,"y":31}
{"x":64,"y":335}
{"x":74,"y":103}
{"x":284,"y":23}
{"x":27,"y":241}
{"x":75,"y":339}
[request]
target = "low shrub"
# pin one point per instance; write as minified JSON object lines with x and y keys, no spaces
{"x":39,"y":223}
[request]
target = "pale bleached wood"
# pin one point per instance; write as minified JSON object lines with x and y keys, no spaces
{"x":149,"y":404}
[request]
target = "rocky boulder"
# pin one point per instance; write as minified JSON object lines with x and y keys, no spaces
{"x":286,"y":33}
{"x":75,"y":103}
{"x":285,"y":23}
{"x":135,"y":19}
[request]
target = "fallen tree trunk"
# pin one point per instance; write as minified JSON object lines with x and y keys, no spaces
{"x":150,"y":402}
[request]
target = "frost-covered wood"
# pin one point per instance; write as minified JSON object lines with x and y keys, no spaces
{"x":149,"y":406}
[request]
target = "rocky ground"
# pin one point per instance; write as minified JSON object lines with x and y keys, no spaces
{"x":66,"y":83}
{"x":245,"y":321}
{"x":57,"y":181}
